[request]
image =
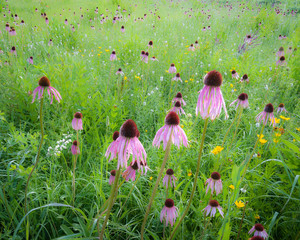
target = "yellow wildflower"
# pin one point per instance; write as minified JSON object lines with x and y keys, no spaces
{"x":257,"y":216}
{"x":239,"y":204}
{"x":231,"y":85}
{"x":146,"y":130}
{"x":262,"y":141}
{"x":277,"y":134}
{"x":151,"y":178}
{"x":186,"y":81}
{"x":99,"y":47}
{"x":106,"y":50}
{"x":277,"y":120}
{"x":298,"y":129}
{"x":182,"y":126}
{"x":275,"y":140}
{"x":284,"y":118}
{"x":217,"y":150}
{"x":99,"y":54}
{"x":234,"y":90}
{"x":125,"y":78}
{"x":260,"y":136}
{"x":231,"y":186}
{"x":189,"y":173}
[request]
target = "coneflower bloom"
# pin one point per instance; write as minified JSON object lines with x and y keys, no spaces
{"x":204,"y":29}
{"x":146,"y":57}
{"x":177,"y":77}
{"x":119,"y":72}
{"x":169,"y":212}
{"x":113,"y":147}
{"x":44,"y":83}
{"x":130,"y":172}
{"x":281,"y":108}
{"x":177,"y":108}
{"x":30,"y":60}
{"x":191,"y":47}
{"x":179,"y":98}
{"x":50,"y":43}
{"x":214,"y":183}
{"x":281,"y":61}
{"x":212,"y":207}
{"x":77,"y":121}
{"x":257,"y":238}
{"x":112,"y":177}
{"x":210,"y":100}
{"x":7,"y":27}
{"x":144,"y":168}
{"x":128,"y":144}
{"x":259,"y":230}
{"x":178,"y":136}
{"x":196,"y":44}
{"x":66,"y":21}
{"x":280,"y":52}
{"x":234,"y":74}
{"x":290,"y":50}
{"x":75,"y":149}
{"x":242,"y":101}
{"x":113,"y":56}
{"x":245,"y":78}
{"x":154,"y":58}
{"x":142,"y":55}
{"x":172,"y":68}
{"x":13,"y":50}
{"x":169,"y":178}
{"x":150,"y":44}
{"x":47,"y":20}
{"x":267,"y":114}
{"x":248,"y":39}
{"x":122,"y":29}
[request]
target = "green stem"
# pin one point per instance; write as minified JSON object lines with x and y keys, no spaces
{"x":195,"y":181}
{"x":261,"y":132}
{"x":241,"y":222}
{"x":110,"y":203}
{"x":167,"y":153}
{"x":74,"y":167}
{"x":37,"y":160}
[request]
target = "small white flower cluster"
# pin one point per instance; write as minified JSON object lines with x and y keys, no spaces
{"x":60,"y":145}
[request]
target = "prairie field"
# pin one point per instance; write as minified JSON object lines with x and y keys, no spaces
{"x":149,"y":119}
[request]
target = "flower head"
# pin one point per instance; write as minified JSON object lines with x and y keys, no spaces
{"x":210,"y":100}
{"x":212,"y":207}
{"x":177,"y":77}
{"x":112,"y":148}
{"x":169,"y":178}
{"x":75,"y":149}
{"x":284,"y":118}
{"x":77,"y":121}
{"x":214,"y":183}
{"x":234,"y":74}
{"x":177,"y":108}
{"x":281,"y":61}
{"x":130,"y":172}
{"x":169,"y":212}
{"x":172,"y":130}
{"x":267,"y":114}
{"x":128,"y":144}
{"x":217,"y":150}
{"x":113,"y":56}
{"x":245,"y":78}
{"x":44,"y":83}
{"x":112,"y":176}
{"x":242,"y":101}
{"x":239,"y":204}
{"x":258,"y":230}
{"x":30,"y":60}
{"x":120,"y":72}
{"x":281,"y":108}
{"x":172,"y":68}
{"x":179,"y":98}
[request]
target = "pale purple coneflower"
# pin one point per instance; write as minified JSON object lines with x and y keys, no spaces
{"x":1,"y":51}
{"x":177,"y":108}
{"x":259,"y":230}
{"x":113,"y":56}
{"x":210,"y":100}
{"x":12,"y":31}
{"x":47,"y":20}
{"x":169,"y":212}
{"x":281,"y":61}
{"x":77,"y":121}
{"x":120,"y":72}
{"x":257,"y":238}
{"x":267,"y":114}
{"x":208,"y":28}
{"x":154,"y":58}
{"x":290,"y":50}
{"x":75,"y":149}
{"x":234,"y":74}
{"x":279,"y":37}
{"x":142,"y":55}
{"x":248,"y":39}
{"x":44,"y":83}
{"x":13,"y":50}
{"x":177,"y":77}
{"x":130,"y":172}
{"x":203,"y":29}
{"x":7,"y":28}
{"x":169,"y":178}
{"x":281,"y":108}
{"x":73,"y":29}
{"x":172,"y":68}
{"x":242,"y":101}
{"x":178,"y":136}
{"x":113,"y":147}
{"x":191,"y":48}
{"x":245,"y":78}
{"x":214,"y":183}
{"x":112,"y":177}
{"x":30,"y":60}
{"x":122,"y":29}
{"x":128,"y":144}
{"x":196,"y":44}
{"x":179,"y":98}
{"x":144,"y":168}
{"x":50,"y":43}
{"x":66,"y":21}
{"x":150,"y":44}
{"x":212,"y":207}
{"x":280,"y":52}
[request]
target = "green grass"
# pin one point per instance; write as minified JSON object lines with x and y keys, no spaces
{"x":78,"y":67}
